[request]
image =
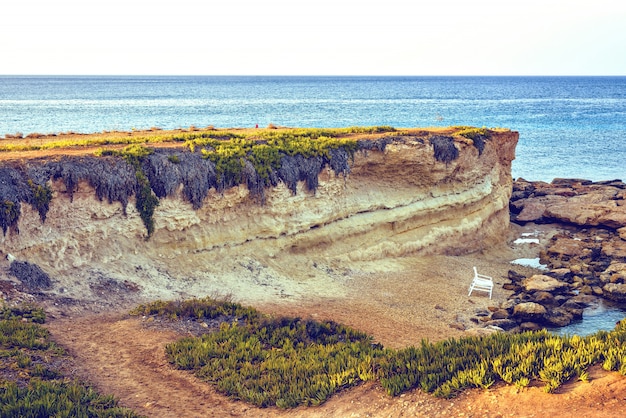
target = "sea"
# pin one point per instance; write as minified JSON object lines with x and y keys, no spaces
{"x":569,"y":127}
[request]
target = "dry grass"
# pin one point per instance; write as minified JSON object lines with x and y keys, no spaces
{"x":15,"y":146}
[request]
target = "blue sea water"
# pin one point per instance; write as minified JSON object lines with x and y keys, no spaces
{"x":569,"y":126}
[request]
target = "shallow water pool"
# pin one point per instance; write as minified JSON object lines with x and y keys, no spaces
{"x":599,"y":318}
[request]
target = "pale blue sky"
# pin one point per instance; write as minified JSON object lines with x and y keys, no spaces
{"x":329,"y":37}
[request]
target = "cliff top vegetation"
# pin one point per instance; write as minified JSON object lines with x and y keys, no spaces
{"x":150,"y":165}
{"x":38,"y":145}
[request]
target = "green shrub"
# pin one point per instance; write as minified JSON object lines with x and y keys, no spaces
{"x":27,"y":312}
{"x":289,"y":362}
{"x":42,"y":195}
{"x":477,"y":135}
{"x":9,"y":214}
{"x":145,"y":200}
{"x":38,"y":390}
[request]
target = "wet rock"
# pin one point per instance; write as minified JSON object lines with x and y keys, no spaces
{"x":574,"y":307}
{"x":529,"y":326}
{"x":585,"y":300}
{"x":529,"y":311}
{"x":558,"y":317}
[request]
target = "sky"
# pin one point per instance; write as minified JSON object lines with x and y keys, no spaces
{"x":321,"y":37}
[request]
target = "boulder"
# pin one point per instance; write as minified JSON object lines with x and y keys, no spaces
{"x":561,"y":273}
{"x":558,"y":317}
{"x":529,"y":311}
{"x":500,"y":314}
{"x":545,"y":298}
{"x":541,"y":282}
{"x":615,"y":249}
{"x":512,"y":287}
{"x":515,"y":276}
{"x":574,"y":307}
{"x":479,"y":332}
{"x":615,"y":291}
{"x":584,"y":301}
{"x":614,"y":273}
{"x":529,"y":326}
{"x":564,"y":247}
{"x":531,"y":211}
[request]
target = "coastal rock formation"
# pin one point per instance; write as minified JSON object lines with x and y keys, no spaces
{"x":572,"y":201}
{"x":586,"y":259}
{"x":398,"y":199}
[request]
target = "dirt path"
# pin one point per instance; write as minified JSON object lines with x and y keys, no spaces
{"x":398,"y":304}
{"x":120,"y":355}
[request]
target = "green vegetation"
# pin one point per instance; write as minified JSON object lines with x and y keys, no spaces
{"x":289,"y":362}
{"x":205,"y":308}
{"x":9,"y":214}
{"x":27,"y":313}
{"x":193,"y":137}
{"x":270,"y":361}
{"x":477,"y":135}
{"x":266,"y":153}
{"x":145,"y":200}
{"x":219,"y":159}
{"x":42,"y":195}
{"x":29,"y":385}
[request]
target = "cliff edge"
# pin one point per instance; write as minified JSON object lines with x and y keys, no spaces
{"x":401,"y":192}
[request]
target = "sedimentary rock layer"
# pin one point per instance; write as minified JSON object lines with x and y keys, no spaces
{"x":395,"y":201}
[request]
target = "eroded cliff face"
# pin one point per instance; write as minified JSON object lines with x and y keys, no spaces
{"x":394,"y":202}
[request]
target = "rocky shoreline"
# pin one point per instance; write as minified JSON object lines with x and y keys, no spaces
{"x":585,"y":259}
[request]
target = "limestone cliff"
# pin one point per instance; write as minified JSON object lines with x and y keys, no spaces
{"x":396,"y":201}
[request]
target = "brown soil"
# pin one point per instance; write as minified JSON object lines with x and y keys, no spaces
{"x":422,"y":299}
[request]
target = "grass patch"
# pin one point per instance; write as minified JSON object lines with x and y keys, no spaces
{"x":30,"y":386}
{"x":287,"y":362}
{"x":267,"y":361}
{"x":156,"y":136}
